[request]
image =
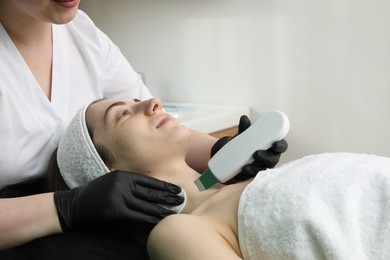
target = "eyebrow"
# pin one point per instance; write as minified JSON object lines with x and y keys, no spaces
{"x":119,"y":103}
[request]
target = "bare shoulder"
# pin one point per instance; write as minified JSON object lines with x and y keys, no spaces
{"x":172,"y":226}
{"x":173,"y":233}
{"x":185,"y":236}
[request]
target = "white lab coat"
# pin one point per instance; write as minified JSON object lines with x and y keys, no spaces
{"x":86,"y":66}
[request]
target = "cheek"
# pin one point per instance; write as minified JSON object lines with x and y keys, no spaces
{"x":131,"y":148}
{"x":125,"y":143}
{"x":139,"y":149}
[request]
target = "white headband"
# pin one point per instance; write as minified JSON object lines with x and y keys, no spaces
{"x":77,"y":158}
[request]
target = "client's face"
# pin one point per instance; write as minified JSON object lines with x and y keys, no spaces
{"x":139,"y":135}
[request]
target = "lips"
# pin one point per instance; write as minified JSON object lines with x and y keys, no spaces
{"x":163,"y":120}
{"x":67,"y":3}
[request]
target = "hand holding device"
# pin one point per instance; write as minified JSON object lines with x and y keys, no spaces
{"x":263,"y":159}
{"x":227,"y":162}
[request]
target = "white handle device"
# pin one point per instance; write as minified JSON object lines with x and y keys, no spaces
{"x":228,"y":161}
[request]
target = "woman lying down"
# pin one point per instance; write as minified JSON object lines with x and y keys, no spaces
{"x":327,"y":206}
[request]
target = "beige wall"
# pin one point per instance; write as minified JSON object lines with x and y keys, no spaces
{"x":326,"y":64}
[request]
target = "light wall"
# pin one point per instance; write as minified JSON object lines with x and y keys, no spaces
{"x":326,"y":64}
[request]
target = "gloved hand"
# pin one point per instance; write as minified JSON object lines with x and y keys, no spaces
{"x":115,"y":197}
{"x":263,"y":159}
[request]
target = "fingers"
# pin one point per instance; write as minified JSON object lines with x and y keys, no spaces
{"x":219,"y":144}
{"x":157,"y":196}
{"x":140,"y":189}
{"x":146,"y":181}
{"x":248,"y":171}
{"x":141,"y":210}
{"x":244,"y":124}
{"x":158,"y":185}
{"x":267,"y":159}
{"x":263,"y":159}
{"x":279,"y":146}
{"x":147,"y":215}
{"x":251,"y":170}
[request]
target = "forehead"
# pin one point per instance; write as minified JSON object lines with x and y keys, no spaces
{"x":104,"y":103}
{"x":97,"y":109}
{"x":101,"y":106}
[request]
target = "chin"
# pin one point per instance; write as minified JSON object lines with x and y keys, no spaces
{"x":64,"y":18}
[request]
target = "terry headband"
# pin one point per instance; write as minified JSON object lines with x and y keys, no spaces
{"x":77,"y":158}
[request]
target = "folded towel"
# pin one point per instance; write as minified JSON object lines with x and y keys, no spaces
{"x":327,"y":206}
{"x":77,"y":158}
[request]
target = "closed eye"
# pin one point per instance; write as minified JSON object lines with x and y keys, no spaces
{"x":128,"y":111}
{"x":124,"y":113}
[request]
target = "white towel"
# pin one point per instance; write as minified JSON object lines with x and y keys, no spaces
{"x":327,"y":206}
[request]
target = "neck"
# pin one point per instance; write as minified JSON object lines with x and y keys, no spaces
{"x":23,"y":29}
{"x":184,"y":176}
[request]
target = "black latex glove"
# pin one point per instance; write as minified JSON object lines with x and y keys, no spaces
{"x":263,"y":159}
{"x":115,"y":197}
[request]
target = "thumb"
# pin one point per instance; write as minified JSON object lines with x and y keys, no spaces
{"x":244,"y":124}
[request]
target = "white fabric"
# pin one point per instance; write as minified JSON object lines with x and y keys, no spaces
{"x":86,"y":66}
{"x":328,"y":206}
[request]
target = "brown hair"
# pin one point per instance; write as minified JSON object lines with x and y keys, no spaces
{"x":55,"y":182}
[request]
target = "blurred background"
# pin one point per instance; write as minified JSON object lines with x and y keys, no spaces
{"x":325,"y":63}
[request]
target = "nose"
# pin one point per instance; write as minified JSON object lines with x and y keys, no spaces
{"x":153,"y":105}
